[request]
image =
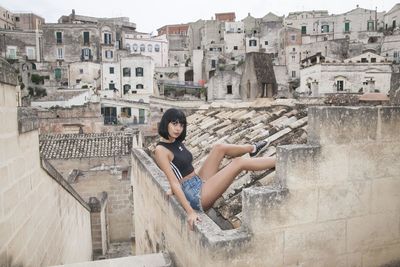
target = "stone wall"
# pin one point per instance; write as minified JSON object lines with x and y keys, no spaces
{"x":62,"y":120}
{"x":41,"y":221}
{"x":335,"y":201}
{"x":97,"y":176}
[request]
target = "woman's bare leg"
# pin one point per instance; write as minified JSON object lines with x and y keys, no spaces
{"x":216,"y":185}
{"x":217,"y":153}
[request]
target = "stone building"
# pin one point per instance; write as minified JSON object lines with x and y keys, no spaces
{"x":224,"y":85}
{"x":28,"y":21}
{"x":144,"y":44}
{"x":365,"y":73}
{"x":330,"y":202}
{"x":258,"y":78}
{"x":75,"y":119}
{"x":390,"y":48}
{"x":391,"y":18}
{"x":290,"y":44}
{"x":7,"y":20}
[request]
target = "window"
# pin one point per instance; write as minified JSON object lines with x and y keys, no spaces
{"x":134,"y":47}
{"x":80,"y":71}
{"x":213,"y":63}
{"x":293,"y":37}
{"x":373,"y":60}
{"x":394,"y":24}
{"x":60,"y":53}
{"x":17,"y":19}
{"x":303,"y":29}
{"x":126,"y":112}
{"x":126,"y":72}
{"x":235,"y":47}
{"x":107,"y":38}
{"x":128,"y":47}
{"x":30,"y":53}
{"x":141,"y":115}
{"x":370,"y":26}
{"x":57,"y":74}
{"x":293,"y":74}
{"x":294,"y":49}
{"x":111,"y":70}
{"x":229,"y":89}
{"x":85,"y":38}
{"x":325,"y":28}
{"x":12,"y":52}
{"x":149,"y":48}
{"x":139,"y":72}
{"x":364,"y":60}
{"x":252,"y":42}
{"x":111,"y":86}
{"x":293,"y":58}
{"x":109,"y":54}
{"x":139,"y":86}
{"x":142,"y":48}
{"x":86,"y":53}
{"x":127,"y":87}
{"x":340,"y":85}
{"x":347,"y":26}
{"x":266,"y":42}
{"x":59,"y":37}
{"x":157,"y":48}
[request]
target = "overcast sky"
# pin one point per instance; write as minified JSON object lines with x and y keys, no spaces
{"x":150,"y":15}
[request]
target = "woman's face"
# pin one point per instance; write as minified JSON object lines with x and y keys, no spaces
{"x":175,"y":128}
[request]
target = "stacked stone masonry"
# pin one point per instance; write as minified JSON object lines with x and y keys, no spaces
{"x":41,"y":223}
{"x":333,"y":201}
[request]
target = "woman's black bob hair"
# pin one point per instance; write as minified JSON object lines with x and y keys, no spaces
{"x":172,"y":115}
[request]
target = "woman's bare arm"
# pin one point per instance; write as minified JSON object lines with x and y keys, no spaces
{"x":162,"y":158}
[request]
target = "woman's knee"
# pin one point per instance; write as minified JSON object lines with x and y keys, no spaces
{"x":219,"y":148}
{"x":238,"y":162}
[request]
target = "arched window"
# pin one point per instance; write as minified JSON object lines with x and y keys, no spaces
{"x":139,"y":86}
{"x":142,"y":48}
{"x":127,"y":87}
{"x":157,"y":48}
{"x":135,"y":47}
{"x":150,"y":48}
{"x":139,"y":72}
{"x":128,"y":47}
{"x":126,"y":72}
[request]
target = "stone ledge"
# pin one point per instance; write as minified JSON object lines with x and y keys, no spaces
{"x":53,"y":173}
{"x":28,"y":120}
{"x":211,"y":235}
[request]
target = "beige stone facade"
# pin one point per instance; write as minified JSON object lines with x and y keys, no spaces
{"x":42,"y":221}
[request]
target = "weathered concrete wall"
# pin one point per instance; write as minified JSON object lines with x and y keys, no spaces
{"x":97,"y":177}
{"x":41,"y":221}
{"x":335,"y":202}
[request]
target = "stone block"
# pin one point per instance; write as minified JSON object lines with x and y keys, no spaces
{"x":314,"y":241}
{"x":265,"y":209}
{"x":388,"y":163}
{"x":363,"y":161}
{"x":372,"y":231}
{"x":342,"y":125}
{"x":384,"y":256}
{"x":345,"y":200}
{"x":333,"y":165}
{"x":389,"y":123}
{"x":297,"y":166}
{"x":385,"y":195}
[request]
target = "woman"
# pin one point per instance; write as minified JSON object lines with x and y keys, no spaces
{"x":199,"y":191}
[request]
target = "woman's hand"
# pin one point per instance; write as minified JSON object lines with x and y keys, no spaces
{"x":193,"y":218}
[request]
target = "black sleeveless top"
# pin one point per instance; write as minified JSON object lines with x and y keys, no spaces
{"x":181,"y":164}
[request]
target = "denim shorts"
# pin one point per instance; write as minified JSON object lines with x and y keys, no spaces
{"x":192,"y":190}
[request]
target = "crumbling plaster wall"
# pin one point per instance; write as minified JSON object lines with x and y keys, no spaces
{"x":335,"y":202}
{"x":41,"y":222}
